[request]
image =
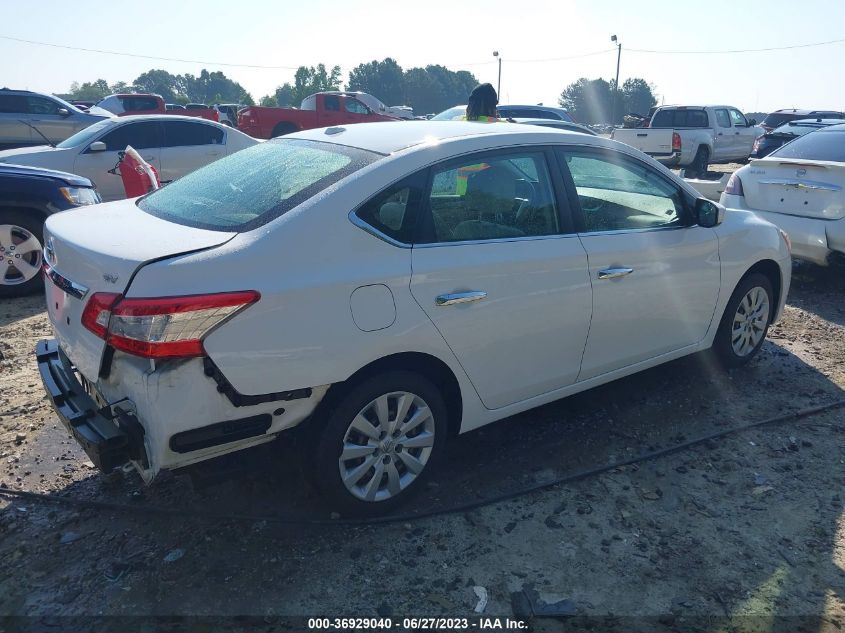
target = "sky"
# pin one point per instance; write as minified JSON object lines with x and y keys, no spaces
{"x":531,"y":39}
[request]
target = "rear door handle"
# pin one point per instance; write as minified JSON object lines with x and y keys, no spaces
{"x":459,"y":297}
{"x":614,"y":273}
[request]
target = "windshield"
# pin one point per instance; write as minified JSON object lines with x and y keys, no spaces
{"x":253,"y":186}
{"x":821,"y":145}
{"x":452,"y":114}
{"x":85,"y":136}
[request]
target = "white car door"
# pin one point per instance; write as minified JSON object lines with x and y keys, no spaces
{"x":142,"y":135}
{"x":723,"y":138}
{"x":189,"y":145}
{"x":655,"y":276}
{"x":501,"y":277}
{"x":744,"y":135}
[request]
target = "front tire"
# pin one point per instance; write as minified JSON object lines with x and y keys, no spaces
{"x":746,"y":321}
{"x":20,"y":252}
{"x":380,"y":443}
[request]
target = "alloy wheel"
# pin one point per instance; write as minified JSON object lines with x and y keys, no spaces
{"x":386,"y":446}
{"x":20,"y":255}
{"x":750,"y":321}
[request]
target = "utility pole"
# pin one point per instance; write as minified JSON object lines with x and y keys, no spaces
{"x":616,"y":86}
{"x":499,"y":85}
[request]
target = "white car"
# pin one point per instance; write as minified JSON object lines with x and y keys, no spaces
{"x":799,"y":187}
{"x":387,"y":290}
{"x":172,"y":144}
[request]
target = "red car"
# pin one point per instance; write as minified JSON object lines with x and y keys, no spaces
{"x":139,"y":103}
{"x":319,"y":110}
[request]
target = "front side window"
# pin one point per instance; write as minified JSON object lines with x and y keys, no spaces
{"x":188,"y":133}
{"x":722,"y":118}
{"x":617,"y":194}
{"x":40,"y":105}
{"x":140,"y":135}
{"x":738,"y":119}
{"x":492,"y":197}
{"x":356,"y":107}
{"x":253,"y":186}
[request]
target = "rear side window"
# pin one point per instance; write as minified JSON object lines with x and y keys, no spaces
{"x":139,"y":104}
{"x":13,"y":104}
{"x":722,"y":118}
{"x":393,"y":212}
{"x":819,"y":145}
{"x":140,"y":135}
{"x":186,"y":133}
{"x":680,"y":118}
{"x":253,"y":186}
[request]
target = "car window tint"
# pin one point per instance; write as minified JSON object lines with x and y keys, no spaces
{"x":140,"y":135}
{"x":249,"y":188}
{"x":680,"y":118}
{"x":738,"y":119}
{"x":188,"y":133}
{"x":620,"y":194}
{"x":40,"y":105}
{"x":356,"y":107}
{"x":722,"y":118}
{"x":820,"y":145}
{"x":139,"y":104}
{"x":501,"y":196}
{"x":332,"y":103}
{"x":394,"y":211}
{"x":13,"y":104}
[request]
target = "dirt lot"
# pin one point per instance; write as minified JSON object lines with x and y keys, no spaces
{"x":742,"y":533}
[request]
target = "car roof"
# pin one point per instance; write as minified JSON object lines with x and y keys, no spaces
{"x":160,"y":117}
{"x":799,"y":111}
{"x":814,"y":122}
{"x":533,"y":107}
{"x":390,"y":137}
{"x":839,"y":127}
{"x":556,"y":123}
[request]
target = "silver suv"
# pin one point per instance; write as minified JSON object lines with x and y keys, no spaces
{"x":31,"y":118}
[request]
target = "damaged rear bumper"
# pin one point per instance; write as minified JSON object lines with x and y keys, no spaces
{"x":110,"y":436}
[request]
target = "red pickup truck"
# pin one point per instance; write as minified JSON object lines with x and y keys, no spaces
{"x":319,"y":110}
{"x":126,"y":104}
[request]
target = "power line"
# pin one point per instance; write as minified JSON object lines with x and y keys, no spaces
{"x":740,"y":50}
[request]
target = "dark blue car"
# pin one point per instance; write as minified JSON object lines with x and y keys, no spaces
{"x":27,"y":196}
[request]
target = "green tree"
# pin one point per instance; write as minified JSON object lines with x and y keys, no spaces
{"x":214,"y":87}
{"x":89,"y":91}
{"x":160,"y":82}
{"x":268,"y":101}
{"x":284,"y":96}
{"x":589,"y":100}
{"x":308,"y":80}
{"x":435,"y":88}
{"x":384,"y":80}
{"x":637,"y":96}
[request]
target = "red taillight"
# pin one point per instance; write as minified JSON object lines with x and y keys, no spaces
{"x":756,"y":147}
{"x":165,"y":327}
{"x":676,"y":142}
{"x":734,"y":186}
{"x":97,"y":312}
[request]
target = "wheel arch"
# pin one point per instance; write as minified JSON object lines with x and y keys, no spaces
{"x":771,"y":270}
{"x":431,"y":367}
{"x":284,"y":127}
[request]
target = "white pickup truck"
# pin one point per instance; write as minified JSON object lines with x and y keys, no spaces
{"x":694,"y":136}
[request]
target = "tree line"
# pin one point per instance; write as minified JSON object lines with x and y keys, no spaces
{"x":432,"y":88}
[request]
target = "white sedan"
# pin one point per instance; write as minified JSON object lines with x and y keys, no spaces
{"x":173,"y":145}
{"x":388,"y":288}
{"x":799,"y":187}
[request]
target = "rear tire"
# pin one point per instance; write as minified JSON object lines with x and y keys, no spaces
{"x":21,"y":247}
{"x":380,"y":442}
{"x":284,"y":128}
{"x":746,"y":321}
{"x":700,"y":163}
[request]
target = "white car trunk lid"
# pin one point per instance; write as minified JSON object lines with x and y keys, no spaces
{"x":801,"y":187}
{"x":98,"y":249}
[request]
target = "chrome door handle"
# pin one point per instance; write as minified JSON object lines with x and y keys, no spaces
{"x":459,"y":297}
{"x":614,"y":273}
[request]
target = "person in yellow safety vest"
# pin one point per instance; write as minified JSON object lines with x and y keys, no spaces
{"x":481,"y":107}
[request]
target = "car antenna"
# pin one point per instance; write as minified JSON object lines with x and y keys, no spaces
{"x":31,"y":126}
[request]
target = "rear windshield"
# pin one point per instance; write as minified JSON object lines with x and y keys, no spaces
{"x":776,"y":120}
{"x":819,"y":145}
{"x":253,"y":186}
{"x":680,"y":118}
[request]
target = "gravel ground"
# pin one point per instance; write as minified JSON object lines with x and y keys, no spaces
{"x":742,"y":533}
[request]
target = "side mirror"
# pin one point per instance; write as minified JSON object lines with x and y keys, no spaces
{"x":97,"y":146}
{"x":708,"y":213}
{"x":63,"y":112}
{"x":752,"y":121}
